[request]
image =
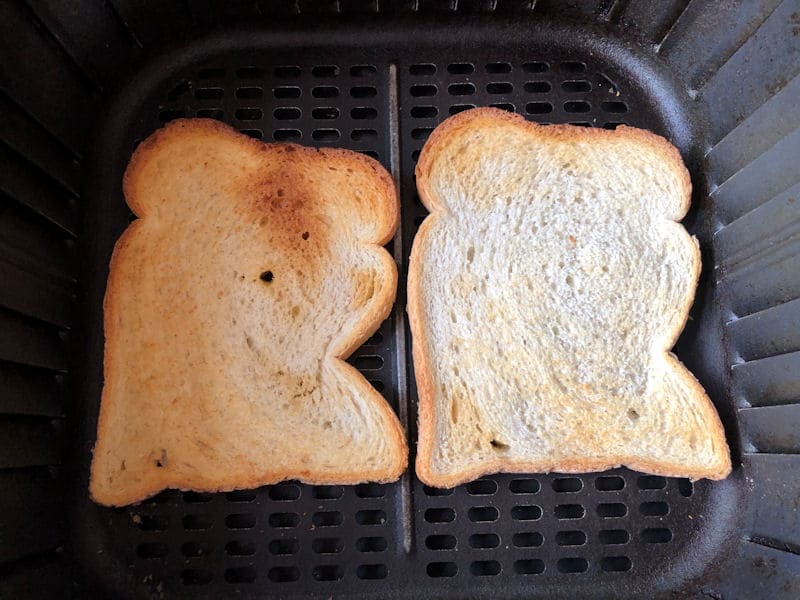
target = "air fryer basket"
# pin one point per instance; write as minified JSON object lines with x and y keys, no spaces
{"x":84,"y":82}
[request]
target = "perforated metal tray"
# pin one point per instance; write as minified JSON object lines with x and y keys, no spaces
{"x":614,"y":534}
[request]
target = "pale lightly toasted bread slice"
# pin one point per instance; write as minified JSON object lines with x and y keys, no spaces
{"x":252,"y":272}
{"x":545,"y":292}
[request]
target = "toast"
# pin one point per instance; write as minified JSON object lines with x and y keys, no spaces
{"x":545,"y":292}
{"x":252,"y":272}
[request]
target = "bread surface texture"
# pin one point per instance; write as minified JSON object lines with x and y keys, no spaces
{"x":252,"y":272}
{"x":545,"y":292}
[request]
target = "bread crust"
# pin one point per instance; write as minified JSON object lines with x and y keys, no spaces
{"x":422,"y":362}
{"x":385,"y":219}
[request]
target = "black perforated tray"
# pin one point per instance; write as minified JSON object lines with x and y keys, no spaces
{"x":614,"y":534}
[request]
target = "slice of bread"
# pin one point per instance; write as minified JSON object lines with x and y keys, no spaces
{"x":252,"y":272}
{"x":545,"y":292}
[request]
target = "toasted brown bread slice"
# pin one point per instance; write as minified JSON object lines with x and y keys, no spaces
{"x":545,"y":291}
{"x":252,"y":272}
